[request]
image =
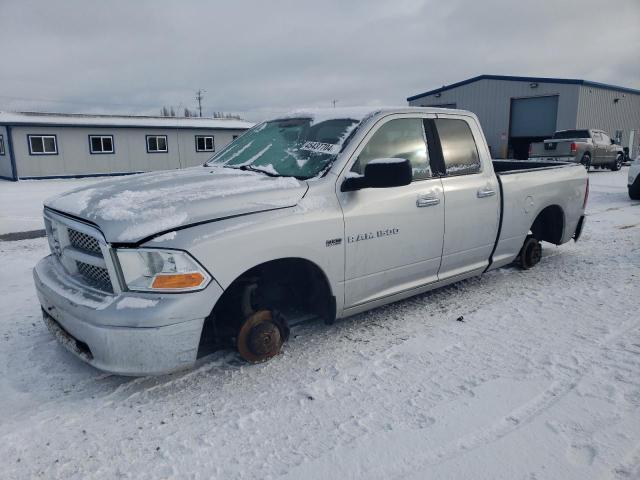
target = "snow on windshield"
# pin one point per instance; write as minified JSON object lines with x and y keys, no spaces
{"x":296,"y":146}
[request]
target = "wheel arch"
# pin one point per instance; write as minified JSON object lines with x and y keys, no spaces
{"x":297,"y":263}
{"x":299,"y":271}
{"x":549,"y":224}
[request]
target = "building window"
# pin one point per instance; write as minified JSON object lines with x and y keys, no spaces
{"x":43,"y":144}
{"x":157,"y":144}
{"x":101,"y":143}
{"x":204,"y":143}
{"x":1,"y":145}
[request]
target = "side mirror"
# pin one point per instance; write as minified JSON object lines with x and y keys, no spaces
{"x":381,"y":173}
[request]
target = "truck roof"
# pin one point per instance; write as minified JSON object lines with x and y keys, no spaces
{"x":361,"y":113}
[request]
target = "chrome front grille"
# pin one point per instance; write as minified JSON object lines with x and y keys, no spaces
{"x":85,"y":242}
{"x":79,"y":248}
{"x":96,"y":276}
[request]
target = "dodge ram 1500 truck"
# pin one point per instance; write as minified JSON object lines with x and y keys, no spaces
{"x":319,"y":214}
{"x":591,"y":148}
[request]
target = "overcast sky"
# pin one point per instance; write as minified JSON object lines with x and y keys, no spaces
{"x":263,"y":57}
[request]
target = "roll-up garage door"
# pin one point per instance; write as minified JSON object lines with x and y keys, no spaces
{"x":534,"y":116}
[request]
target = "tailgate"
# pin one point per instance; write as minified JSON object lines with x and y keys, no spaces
{"x":551,"y":148}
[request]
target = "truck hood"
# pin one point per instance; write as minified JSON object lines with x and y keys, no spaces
{"x":128,"y":210}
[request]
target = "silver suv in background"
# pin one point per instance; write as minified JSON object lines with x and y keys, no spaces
{"x":591,"y":148}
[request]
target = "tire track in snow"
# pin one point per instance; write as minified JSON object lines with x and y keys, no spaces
{"x":524,"y":414}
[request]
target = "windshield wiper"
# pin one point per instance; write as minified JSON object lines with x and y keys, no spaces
{"x":253,"y":169}
{"x":270,"y":174}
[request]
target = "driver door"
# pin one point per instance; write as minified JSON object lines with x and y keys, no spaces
{"x":393,"y":236}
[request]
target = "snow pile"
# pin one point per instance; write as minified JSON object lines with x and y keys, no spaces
{"x":21,"y":202}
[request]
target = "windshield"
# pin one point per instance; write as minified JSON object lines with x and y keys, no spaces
{"x":291,"y":147}
{"x":571,"y":134}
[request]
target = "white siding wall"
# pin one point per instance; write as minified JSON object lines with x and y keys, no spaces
{"x":596,"y":109}
{"x":491,"y":101}
{"x":5,"y":160}
{"x":74,"y":157}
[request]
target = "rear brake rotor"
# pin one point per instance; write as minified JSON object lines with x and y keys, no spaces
{"x":259,"y":338}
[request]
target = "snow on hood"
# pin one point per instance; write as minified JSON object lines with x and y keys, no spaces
{"x":133,"y":208}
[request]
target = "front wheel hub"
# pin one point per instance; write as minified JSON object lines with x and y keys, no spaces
{"x":260,"y":338}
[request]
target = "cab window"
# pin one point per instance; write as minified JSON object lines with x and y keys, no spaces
{"x":459,"y":150}
{"x":399,"y":138}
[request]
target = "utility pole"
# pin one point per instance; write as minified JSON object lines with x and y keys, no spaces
{"x":199,"y":98}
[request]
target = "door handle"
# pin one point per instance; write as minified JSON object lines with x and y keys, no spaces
{"x":427,"y":201}
{"x":486,"y":192}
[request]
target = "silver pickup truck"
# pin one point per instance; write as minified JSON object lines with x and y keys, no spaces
{"x":591,"y":148}
{"x":318,"y":214}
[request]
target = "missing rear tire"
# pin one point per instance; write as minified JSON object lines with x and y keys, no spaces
{"x":530,"y":253}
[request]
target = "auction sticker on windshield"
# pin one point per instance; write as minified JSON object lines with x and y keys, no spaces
{"x":320,"y":147}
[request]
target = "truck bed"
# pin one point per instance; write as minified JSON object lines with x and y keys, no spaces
{"x":505,"y":167}
{"x":525,"y":187}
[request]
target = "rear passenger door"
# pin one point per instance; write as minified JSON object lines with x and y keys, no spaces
{"x":471,"y":197}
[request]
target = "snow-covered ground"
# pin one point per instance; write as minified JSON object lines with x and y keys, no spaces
{"x":540,"y":381}
{"x":21,"y":202}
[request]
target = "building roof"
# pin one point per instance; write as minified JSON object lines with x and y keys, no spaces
{"x":87,"y":120}
{"x":574,"y":81}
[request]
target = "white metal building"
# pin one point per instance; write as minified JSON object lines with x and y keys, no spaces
{"x":516,"y":111}
{"x":46,"y":145}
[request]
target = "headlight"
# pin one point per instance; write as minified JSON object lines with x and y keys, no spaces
{"x":152,"y":270}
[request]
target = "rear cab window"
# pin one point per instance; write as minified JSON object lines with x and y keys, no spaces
{"x":459,"y":149}
{"x":606,"y":140}
{"x":568,"y":134}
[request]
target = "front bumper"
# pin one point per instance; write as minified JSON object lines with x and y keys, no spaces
{"x":129,"y":333}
